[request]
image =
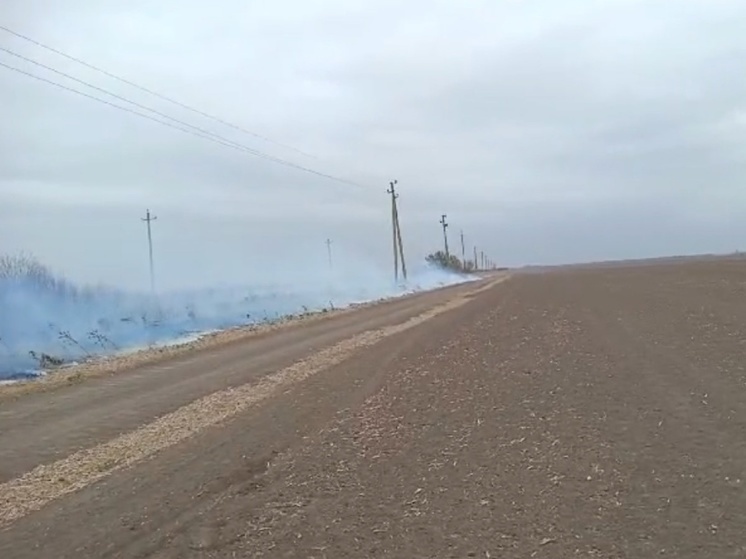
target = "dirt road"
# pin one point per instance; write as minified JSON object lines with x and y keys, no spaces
{"x":582,"y":413}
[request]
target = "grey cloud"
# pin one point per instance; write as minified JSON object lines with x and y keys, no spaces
{"x":547,"y":131}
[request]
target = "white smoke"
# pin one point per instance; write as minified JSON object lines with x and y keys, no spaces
{"x":45,"y":319}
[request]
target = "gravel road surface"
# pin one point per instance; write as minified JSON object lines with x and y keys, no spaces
{"x":573,"y":413}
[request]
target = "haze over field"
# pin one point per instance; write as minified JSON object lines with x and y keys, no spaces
{"x":46,"y":321}
{"x":550,"y":131}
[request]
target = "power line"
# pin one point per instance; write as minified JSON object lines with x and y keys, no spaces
{"x":120,"y":97}
{"x":151,"y":92}
{"x":141,"y":106}
{"x":201,"y":133}
{"x":104,"y":101}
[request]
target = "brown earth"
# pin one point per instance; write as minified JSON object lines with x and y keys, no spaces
{"x":575,"y":413}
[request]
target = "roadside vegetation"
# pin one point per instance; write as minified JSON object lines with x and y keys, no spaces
{"x":47,"y":321}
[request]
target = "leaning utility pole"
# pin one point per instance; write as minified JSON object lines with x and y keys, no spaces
{"x":398,"y":238}
{"x":329,"y":251}
{"x":394,"y":195}
{"x":444,"y":223}
{"x":147,"y":219}
{"x":396,"y":232}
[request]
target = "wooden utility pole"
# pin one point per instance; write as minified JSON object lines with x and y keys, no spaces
{"x":147,"y":219}
{"x":482,"y":252}
{"x":329,"y":251}
{"x":396,"y":233}
{"x":444,"y":223}
{"x":401,"y":245}
{"x":394,"y":195}
{"x":463,"y":249}
{"x":476,"y":260}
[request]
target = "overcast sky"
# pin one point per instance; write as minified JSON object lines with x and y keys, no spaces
{"x":548,"y":131}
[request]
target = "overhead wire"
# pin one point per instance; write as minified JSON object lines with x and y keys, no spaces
{"x":193,"y":130}
{"x":122,"y":98}
{"x":151,"y":91}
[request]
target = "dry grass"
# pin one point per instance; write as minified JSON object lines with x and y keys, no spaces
{"x":65,"y":376}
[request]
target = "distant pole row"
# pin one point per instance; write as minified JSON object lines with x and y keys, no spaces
{"x":480,"y":262}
